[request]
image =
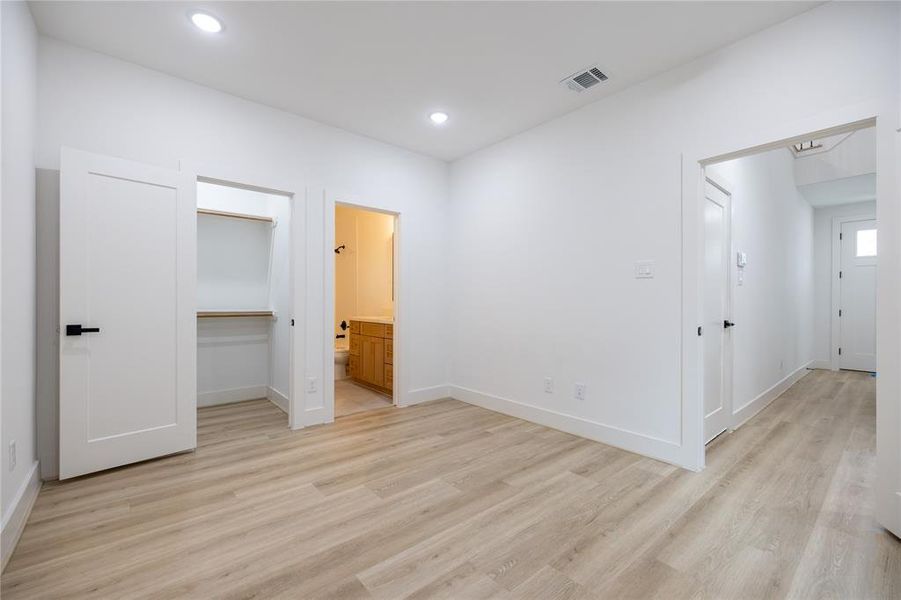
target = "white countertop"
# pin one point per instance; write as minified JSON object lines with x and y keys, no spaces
{"x":385,"y":320}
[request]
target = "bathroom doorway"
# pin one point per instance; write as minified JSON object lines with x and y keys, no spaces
{"x":364,"y":309}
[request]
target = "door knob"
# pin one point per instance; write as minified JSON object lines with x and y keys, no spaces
{"x":728,"y":324}
{"x":78,"y":329}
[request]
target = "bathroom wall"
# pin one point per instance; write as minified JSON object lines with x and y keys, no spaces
{"x":241,"y":359}
{"x":364,"y":269}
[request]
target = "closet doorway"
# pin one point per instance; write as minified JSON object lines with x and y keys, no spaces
{"x":365,"y":283}
{"x":244,"y":309}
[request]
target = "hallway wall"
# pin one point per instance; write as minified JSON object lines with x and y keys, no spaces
{"x":548,"y":224}
{"x":773,"y":306}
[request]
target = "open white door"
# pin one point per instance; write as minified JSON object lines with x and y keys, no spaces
{"x":716,"y":324}
{"x":127,"y":313}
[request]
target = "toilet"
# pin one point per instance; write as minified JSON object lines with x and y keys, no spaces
{"x":342,"y":354}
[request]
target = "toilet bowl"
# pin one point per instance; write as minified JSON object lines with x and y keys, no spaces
{"x":342,"y":355}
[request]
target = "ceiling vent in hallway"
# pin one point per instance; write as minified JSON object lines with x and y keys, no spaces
{"x":581,"y":81}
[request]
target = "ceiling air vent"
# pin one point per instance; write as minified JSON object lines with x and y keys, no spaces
{"x":581,"y":81}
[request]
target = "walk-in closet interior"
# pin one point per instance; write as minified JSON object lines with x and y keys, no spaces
{"x":243,"y":299}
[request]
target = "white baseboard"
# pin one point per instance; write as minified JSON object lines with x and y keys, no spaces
{"x":232,"y":395}
{"x":614,"y":436}
{"x":277,"y":398}
{"x":741,"y":415}
{"x":14,"y":520}
{"x":424,"y":395}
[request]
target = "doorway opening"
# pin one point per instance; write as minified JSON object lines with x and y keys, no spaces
{"x":788,"y":267}
{"x":364,"y":309}
{"x":244,"y":306}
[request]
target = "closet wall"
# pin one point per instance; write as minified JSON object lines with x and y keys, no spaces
{"x":243,"y":358}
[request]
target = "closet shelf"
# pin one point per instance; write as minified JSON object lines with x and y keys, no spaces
{"x":232,"y":215}
{"x":231,"y":314}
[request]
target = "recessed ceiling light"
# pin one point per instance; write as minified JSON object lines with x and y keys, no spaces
{"x":206,"y":22}
{"x":438,"y":118}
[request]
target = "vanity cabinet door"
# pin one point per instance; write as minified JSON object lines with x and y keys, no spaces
{"x":373,"y":363}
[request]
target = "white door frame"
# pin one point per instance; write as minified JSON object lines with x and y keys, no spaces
{"x":720,"y":183}
{"x":294,"y":190}
{"x":835,"y":336}
{"x":883,"y":113}
{"x":332,"y":200}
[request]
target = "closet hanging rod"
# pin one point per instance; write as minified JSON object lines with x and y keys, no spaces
{"x":232,"y":215}
{"x":214,"y":314}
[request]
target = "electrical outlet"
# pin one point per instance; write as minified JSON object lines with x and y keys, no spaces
{"x":580,"y":391}
{"x":311,"y":385}
{"x":12,"y":455}
{"x":548,"y":385}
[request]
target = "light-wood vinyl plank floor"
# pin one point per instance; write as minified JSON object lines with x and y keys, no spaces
{"x":447,"y":500}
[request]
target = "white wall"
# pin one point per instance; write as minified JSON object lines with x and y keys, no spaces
{"x":822,"y":349}
{"x":19,"y":49}
{"x":101,"y":104}
{"x":773,"y":307}
{"x":547,"y":226}
{"x":240,"y":359}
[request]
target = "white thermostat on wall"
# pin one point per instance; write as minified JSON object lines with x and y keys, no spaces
{"x":741,"y":259}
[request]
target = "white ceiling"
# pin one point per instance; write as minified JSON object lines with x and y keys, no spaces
{"x":380,"y":68}
{"x":847,"y":190}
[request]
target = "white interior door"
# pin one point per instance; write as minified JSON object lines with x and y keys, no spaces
{"x":857,"y":284}
{"x":127,"y":279}
{"x":717,"y":386}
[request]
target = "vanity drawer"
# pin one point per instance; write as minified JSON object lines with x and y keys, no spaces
{"x":355,"y":345}
{"x":373,"y":329}
{"x":389,"y":351}
{"x":355,"y":327}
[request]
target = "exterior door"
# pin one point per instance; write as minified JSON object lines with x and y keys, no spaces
{"x":857,"y":283}
{"x":127,"y":313}
{"x":717,"y":383}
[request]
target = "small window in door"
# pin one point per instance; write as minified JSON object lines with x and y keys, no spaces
{"x":866,"y":243}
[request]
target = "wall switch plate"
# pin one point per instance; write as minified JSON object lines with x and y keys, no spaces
{"x":580,"y":391}
{"x":644,"y":269}
{"x":311,"y":385}
{"x":12,"y":455}
{"x":548,"y":385}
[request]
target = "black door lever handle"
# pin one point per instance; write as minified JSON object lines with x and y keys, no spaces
{"x":78,"y":329}
{"x":728,"y":324}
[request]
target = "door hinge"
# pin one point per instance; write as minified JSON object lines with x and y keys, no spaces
{"x":839,"y":236}
{"x":699,"y":330}
{"x":839,"y":312}
{"x":839,"y":274}
{"x":839,"y":351}
{"x":292,"y":322}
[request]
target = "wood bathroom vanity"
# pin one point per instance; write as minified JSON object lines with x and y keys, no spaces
{"x":371,"y":358}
